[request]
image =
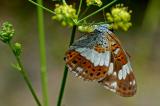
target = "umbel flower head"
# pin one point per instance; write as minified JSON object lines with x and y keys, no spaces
{"x":94,"y":2}
{"x":66,"y":14}
{"x":6,"y":32}
{"x":119,"y":17}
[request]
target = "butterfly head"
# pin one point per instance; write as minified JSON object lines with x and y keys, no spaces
{"x":102,"y":28}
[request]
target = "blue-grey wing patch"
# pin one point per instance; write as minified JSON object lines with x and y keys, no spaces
{"x":90,"y":40}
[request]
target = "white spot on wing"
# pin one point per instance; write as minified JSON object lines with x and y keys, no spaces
{"x":134,"y":82}
{"x":69,"y":67}
{"x":115,"y":74}
{"x":116,"y":51}
{"x":124,"y":73}
{"x":88,"y":55}
{"x":114,"y":85}
{"x":97,"y":59}
{"x":75,"y":73}
{"x":107,"y":58}
{"x":120,"y":74}
{"x":129,"y":65}
{"x":113,"y":90}
{"x":127,"y":68}
{"x":84,"y":73}
{"x":92,"y":55}
{"x":111,"y":86}
{"x":130,"y":82}
{"x":110,"y":70}
{"x":79,"y":69}
{"x":102,"y":59}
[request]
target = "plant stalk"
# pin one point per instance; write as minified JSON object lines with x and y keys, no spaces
{"x":63,"y":83}
{"x":43,"y":63}
{"x":25,"y":76}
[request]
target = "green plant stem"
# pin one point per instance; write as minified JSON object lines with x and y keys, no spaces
{"x":97,"y":11}
{"x":61,"y":92}
{"x":43,"y":68}
{"x":41,"y":6}
{"x":25,"y":76}
{"x":79,"y":8}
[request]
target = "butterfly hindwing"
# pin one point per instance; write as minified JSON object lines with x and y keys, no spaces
{"x":122,"y":80}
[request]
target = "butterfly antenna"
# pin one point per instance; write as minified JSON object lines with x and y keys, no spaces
{"x":104,"y":16}
{"x":84,"y":12}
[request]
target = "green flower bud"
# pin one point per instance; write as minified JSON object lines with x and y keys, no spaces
{"x":66,"y":14}
{"x":6,"y":32}
{"x":85,"y":28}
{"x":94,"y":2}
{"x":119,"y":17}
{"x":17,"y":67}
{"x":17,"y":49}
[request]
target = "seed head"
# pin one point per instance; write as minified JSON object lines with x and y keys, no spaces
{"x":6,"y":32}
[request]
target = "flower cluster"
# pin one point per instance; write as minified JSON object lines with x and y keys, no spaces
{"x":94,"y":2}
{"x":6,"y":32}
{"x":86,"y":28}
{"x":119,"y":17}
{"x":6,"y":35}
{"x":66,"y":14}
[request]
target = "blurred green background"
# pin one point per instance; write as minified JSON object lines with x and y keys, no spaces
{"x":142,"y":42}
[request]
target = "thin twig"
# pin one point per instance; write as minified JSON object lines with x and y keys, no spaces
{"x":41,"y":6}
{"x":97,"y":11}
{"x":25,"y":76}
{"x":61,"y":92}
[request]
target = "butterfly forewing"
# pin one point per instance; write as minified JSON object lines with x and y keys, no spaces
{"x":83,"y":68}
{"x":87,"y":58}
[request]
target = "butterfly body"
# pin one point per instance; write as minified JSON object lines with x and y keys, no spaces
{"x":99,"y":56}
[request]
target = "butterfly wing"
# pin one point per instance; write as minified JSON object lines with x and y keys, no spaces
{"x":102,"y":58}
{"x":89,"y":57}
{"x":121,"y":79}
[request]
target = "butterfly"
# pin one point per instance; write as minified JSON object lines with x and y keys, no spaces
{"x":99,"y":56}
